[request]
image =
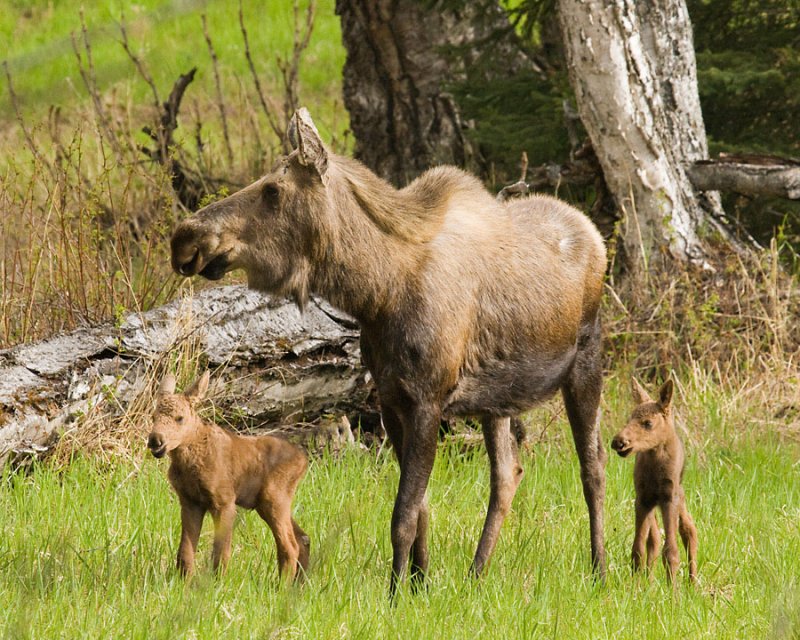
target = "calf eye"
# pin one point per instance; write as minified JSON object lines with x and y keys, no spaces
{"x":647,"y":424}
{"x":178,"y":418}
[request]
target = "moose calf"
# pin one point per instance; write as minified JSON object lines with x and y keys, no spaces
{"x":215,"y":470}
{"x":657,"y":474}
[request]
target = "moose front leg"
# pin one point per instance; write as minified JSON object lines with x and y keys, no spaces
{"x":191,"y":524}
{"x":669,"y":513}
{"x":410,"y":515}
{"x":644,"y":520}
{"x":506,"y":474}
{"x":223,"y":532}
{"x":653,"y":540}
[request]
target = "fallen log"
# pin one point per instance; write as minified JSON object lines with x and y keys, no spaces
{"x":752,"y":175}
{"x":272,"y":366}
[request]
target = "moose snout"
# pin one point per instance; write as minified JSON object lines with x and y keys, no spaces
{"x":621,"y":445}
{"x":155,"y":442}
{"x":185,"y":251}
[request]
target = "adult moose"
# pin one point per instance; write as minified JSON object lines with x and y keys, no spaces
{"x":467,"y":307}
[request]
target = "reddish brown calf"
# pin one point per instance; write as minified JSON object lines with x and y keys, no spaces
{"x":657,"y":475}
{"x":215,"y":470}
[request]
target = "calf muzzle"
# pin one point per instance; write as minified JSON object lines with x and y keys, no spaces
{"x":621,"y":445}
{"x":155,"y":442}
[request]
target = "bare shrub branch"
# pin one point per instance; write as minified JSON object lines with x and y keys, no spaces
{"x":269,"y":109}
{"x":89,"y":78}
{"x":220,"y":100}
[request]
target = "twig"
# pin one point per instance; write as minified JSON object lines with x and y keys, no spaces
{"x":268,"y":109}
{"x":138,"y":62}
{"x":220,"y":102}
{"x":291,"y":71}
{"x":89,"y":78}
{"x":25,"y":132}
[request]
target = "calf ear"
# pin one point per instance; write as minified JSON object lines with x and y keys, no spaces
{"x":167,"y":386}
{"x":640,"y":396}
{"x":665,"y":395}
{"x":197,"y":390}
{"x":305,"y":138}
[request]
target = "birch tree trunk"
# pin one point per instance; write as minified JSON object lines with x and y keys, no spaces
{"x":399,"y":61}
{"x":632,"y":67}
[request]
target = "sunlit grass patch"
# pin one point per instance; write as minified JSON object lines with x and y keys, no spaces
{"x":90,"y":552}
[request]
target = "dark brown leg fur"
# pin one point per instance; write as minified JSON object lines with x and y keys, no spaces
{"x":506,"y":474}
{"x":582,"y":399}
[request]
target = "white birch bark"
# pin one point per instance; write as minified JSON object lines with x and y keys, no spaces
{"x":632,"y":67}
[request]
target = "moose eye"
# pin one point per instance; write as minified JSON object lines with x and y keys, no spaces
{"x":647,"y":424}
{"x":178,"y":418}
{"x":270,"y":193}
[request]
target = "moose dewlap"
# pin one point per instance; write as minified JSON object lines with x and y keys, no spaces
{"x":467,"y":307}
{"x":213,"y":470}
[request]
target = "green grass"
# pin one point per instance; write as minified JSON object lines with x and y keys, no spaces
{"x":88,"y":552}
{"x":168,"y":36}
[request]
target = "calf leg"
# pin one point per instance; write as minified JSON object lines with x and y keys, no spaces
{"x":644,"y":522}
{"x":582,"y":398}
{"x":191,"y":524}
{"x":669,"y":512}
{"x":506,"y":474}
{"x":277,"y":514}
{"x":653,"y":540}
{"x":304,"y":543}
{"x":223,"y":533}
{"x":689,"y":536}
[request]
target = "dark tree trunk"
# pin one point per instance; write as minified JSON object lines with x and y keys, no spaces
{"x":399,"y":63}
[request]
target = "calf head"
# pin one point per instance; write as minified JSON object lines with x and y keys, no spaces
{"x":270,"y":229}
{"x":650,"y":424}
{"x":175,"y":420}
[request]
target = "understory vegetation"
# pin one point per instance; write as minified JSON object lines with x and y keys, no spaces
{"x":89,"y":550}
{"x":88,"y":536}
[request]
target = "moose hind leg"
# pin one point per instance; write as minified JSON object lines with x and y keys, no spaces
{"x":506,"y":474}
{"x":277,"y":514}
{"x":689,"y":536}
{"x":581,"y":393}
{"x":304,"y":542}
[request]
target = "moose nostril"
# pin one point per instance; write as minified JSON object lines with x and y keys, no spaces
{"x":189,"y":267}
{"x":155,"y":441}
{"x":618,"y":443}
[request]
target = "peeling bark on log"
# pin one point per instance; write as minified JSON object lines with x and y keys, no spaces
{"x":773,"y":181}
{"x":276,"y":365}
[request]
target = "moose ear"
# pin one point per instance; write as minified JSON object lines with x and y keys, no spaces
{"x":640,"y":396}
{"x":197,"y":391}
{"x":305,"y":138}
{"x":665,"y":395}
{"x":167,"y":386}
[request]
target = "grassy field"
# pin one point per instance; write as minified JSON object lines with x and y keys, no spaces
{"x":168,"y":36}
{"x":88,"y":551}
